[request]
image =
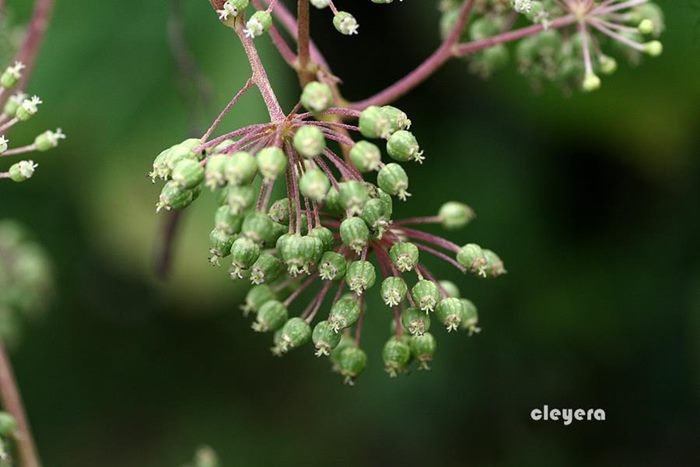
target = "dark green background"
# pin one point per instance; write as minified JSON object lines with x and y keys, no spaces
{"x":590,"y":199}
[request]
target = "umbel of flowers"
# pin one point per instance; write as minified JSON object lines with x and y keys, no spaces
{"x":573,"y":42}
{"x":334,"y":232}
{"x":19,"y":108}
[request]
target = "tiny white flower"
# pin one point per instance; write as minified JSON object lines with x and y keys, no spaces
{"x":55,"y":136}
{"x":254,"y":28}
{"x":228,"y":10}
{"x":4,"y":142}
{"x":16,"y":70}
{"x":31,"y":106}
{"x":27,"y":168}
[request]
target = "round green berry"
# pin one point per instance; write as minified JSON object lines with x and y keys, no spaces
{"x":402,"y":146}
{"x":454,"y":215}
{"x":394,"y":290}
{"x":415,"y":321}
{"x":396,"y":355}
{"x":360,"y":276}
{"x":325,"y":338}
{"x":344,"y":313}
{"x":365,"y":156}
{"x":426,"y":294}
{"x":392,"y":179}
{"x":309,"y":141}
{"x":317,"y":97}
{"x":271,"y":316}
{"x":404,"y":255}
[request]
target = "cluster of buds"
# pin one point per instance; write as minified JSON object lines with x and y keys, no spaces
{"x":298,"y":220}
{"x":25,"y":279}
{"x":19,"y":108}
{"x":574,"y":41}
{"x":261,"y":20}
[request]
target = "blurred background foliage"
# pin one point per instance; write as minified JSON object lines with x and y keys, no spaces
{"x":590,"y":199}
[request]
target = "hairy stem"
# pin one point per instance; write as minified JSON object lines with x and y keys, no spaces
{"x":303,"y":41}
{"x":12,"y":403}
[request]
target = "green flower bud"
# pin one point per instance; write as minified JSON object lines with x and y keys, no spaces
{"x":396,"y":355}
{"x":314,"y":184}
{"x":402,"y":146}
{"x":471,"y":256}
{"x":345,"y":23}
{"x":226,"y":221}
{"x":344,"y":313}
{"x":240,"y":198}
{"x":173,"y":196}
{"x":272,"y":162}
{"x":365,"y":156}
{"x":241,"y":168}
{"x":591,"y":82}
{"x":494,"y":265}
{"x":299,"y":253}
{"x":295,"y":333}
{"x":279,"y":211}
{"x":351,"y":362}
{"x":271,"y":316}
{"x":404,"y":255}
{"x":309,"y":141}
{"x":11,"y":75}
{"x":317,"y":97}
{"x":214,"y":176}
{"x":392,"y":179}
{"x":266,"y":268}
{"x":48,"y":140}
{"x":257,"y":296}
{"x":188,"y":173}
{"x":450,"y":288}
{"x":256,"y":226}
{"x":398,"y":120}
{"x":375,"y":215}
{"x":320,"y":4}
{"x":8,"y":424}
{"x":455,"y":215}
{"x":220,"y":243}
{"x":451,"y":313}
{"x":608,"y":65}
{"x":352,"y":196}
{"x":354,"y":234}
{"x":275,"y":232}
{"x":27,"y":109}
{"x":415,"y":321}
{"x":325,"y":235}
{"x":394,"y":290}
{"x":13,"y":103}
{"x":22,"y":171}
{"x":471,"y":317}
{"x":258,"y":24}
{"x":244,"y":252}
{"x":653,"y":48}
{"x":375,"y":123}
{"x":426,"y":295}
{"x":423,"y":349}
{"x":332,"y":202}
{"x":332,"y":266}
{"x":325,"y":338}
{"x":360,"y":276}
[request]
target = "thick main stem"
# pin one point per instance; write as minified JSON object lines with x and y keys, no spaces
{"x":12,"y":403}
{"x":303,"y":41}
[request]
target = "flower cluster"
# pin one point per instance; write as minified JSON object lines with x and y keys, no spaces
{"x":25,"y":279}
{"x":20,"y":108}
{"x":573,"y":42}
{"x":332,"y":229}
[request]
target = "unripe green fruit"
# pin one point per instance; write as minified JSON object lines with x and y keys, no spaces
{"x":394,"y":290}
{"x":396,"y":355}
{"x":345,"y":23}
{"x":295,"y":333}
{"x":188,"y":173}
{"x":240,"y":198}
{"x":309,"y":141}
{"x":272,"y":162}
{"x":257,"y":296}
{"x":471,"y":256}
{"x":332,"y":266}
{"x":365,"y":156}
{"x":352,"y":196}
{"x":266,"y":269}
{"x":241,"y":168}
{"x":423,"y":348}
{"x":344,"y":313}
{"x":415,"y":321}
{"x":325,"y":338}
{"x":451,"y":312}
{"x":351,"y":362}
{"x":314,"y":184}
{"x":226,"y":221}
{"x":404,"y":255}
{"x":455,"y":215}
{"x":244,"y":252}
{"x":317,"y":97}
{"x":426,"y":294}
{"x":256,"y":226}
{"x":392,"y":179}
{"x":279,"y":211}
{"x":220,"y":243}
{"x":360,"y":276}
{"x":374,"y":123}
{"x":354,"y":234}
{"x":173,"y":196}
{"x":402,"y":146}
{"x":271,"y":316}
{"x":214,"y":172}
{"x":259,"y":23}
